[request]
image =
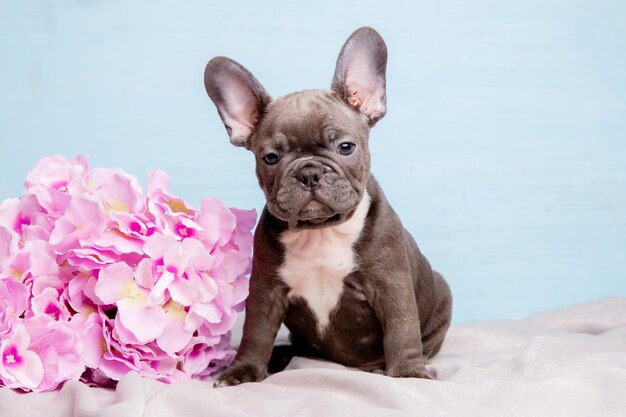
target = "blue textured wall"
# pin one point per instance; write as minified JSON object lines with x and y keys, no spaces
{"x":504,"y":149}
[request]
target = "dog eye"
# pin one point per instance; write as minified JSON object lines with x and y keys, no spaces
{"x":346,"y":148}
{"x":270,"y":158}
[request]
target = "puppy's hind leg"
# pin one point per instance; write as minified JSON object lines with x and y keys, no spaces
{"x":283,"y":354}
{"x":439,"y":322}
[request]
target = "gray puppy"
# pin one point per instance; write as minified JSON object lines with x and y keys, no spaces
{"x":331,"y":257}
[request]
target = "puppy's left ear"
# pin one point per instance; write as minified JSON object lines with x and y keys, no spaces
{"x":360,"y":73}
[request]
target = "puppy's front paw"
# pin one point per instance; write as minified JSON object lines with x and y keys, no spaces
{"x":409,"y":371}
{"x":238,"y":373}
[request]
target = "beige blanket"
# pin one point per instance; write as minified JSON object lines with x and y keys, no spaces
{"x":568,"y":362}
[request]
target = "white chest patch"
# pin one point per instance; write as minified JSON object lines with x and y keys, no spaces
{"x":317,"y":261}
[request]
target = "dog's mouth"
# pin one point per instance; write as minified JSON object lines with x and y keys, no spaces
{"x":316,"y":214}
{"x":313,"y":205}
{"x":317,"y":223}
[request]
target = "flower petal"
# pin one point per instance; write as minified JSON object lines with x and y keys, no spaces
{"x":92,"y":339}
{"x":199,"y":256}
{"x":16,"y":294}
{"x":63,"y":228}
{"x":234,"y":264}
{"x":30,"y":372}
{"x":210,"y":312}
{"x":119,"y":190}
{"x":143,"y":273}
{"x":157,"y":245}
{"x":118,"y":242}
{"x":158,"y":180}
{"x":146,"y":323}
{"x":157,"y":294}
{"x":174,"y":337}
{"x":217,"y":221}
{"x":111,"y":282}
{"x":8,"y":247}
{"x":183,"y":291}
{"x":115,"y":367}
{"x":175,"y":260}
{"x":56,"y":172}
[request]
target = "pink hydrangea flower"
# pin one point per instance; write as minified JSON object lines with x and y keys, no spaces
{"x":54,"y":179}
{"x":83,"y":219}
{"x":118,"y":285}
{"x":26,"y":218}
{"x":35,"y":258}
{"x":60,"y":349}
{"x":118,"y":190}
{"x":171,"y":214}
{"x":20,"y":367}
{"x":97,"y":280}
{"x":13,"y":303}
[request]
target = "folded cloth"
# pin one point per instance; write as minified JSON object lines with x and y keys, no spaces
{"x":567,"y":362}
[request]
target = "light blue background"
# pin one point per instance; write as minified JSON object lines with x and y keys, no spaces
{"x":504,"y":148}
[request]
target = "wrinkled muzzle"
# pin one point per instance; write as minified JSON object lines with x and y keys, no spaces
{"x":313,"y":190}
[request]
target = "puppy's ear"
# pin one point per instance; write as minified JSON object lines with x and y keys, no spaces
{"x":239,"y":97}
{"x":360,"y":73}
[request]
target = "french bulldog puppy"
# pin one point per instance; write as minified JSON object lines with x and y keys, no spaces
{"x":331,"y":257}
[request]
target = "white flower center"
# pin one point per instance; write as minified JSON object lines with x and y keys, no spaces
{"x":9,"y":358}
{"x":183,"y":231}
{"x":133,"y":293}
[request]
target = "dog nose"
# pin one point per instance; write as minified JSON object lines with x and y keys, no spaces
{"x":310,"y":177}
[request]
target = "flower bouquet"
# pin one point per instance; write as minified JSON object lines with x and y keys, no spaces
{"x":97,"y":280}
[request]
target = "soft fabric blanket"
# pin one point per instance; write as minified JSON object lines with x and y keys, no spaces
{"x":568,"y":362}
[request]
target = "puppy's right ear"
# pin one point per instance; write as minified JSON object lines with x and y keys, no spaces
{"x":239,"y":97}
